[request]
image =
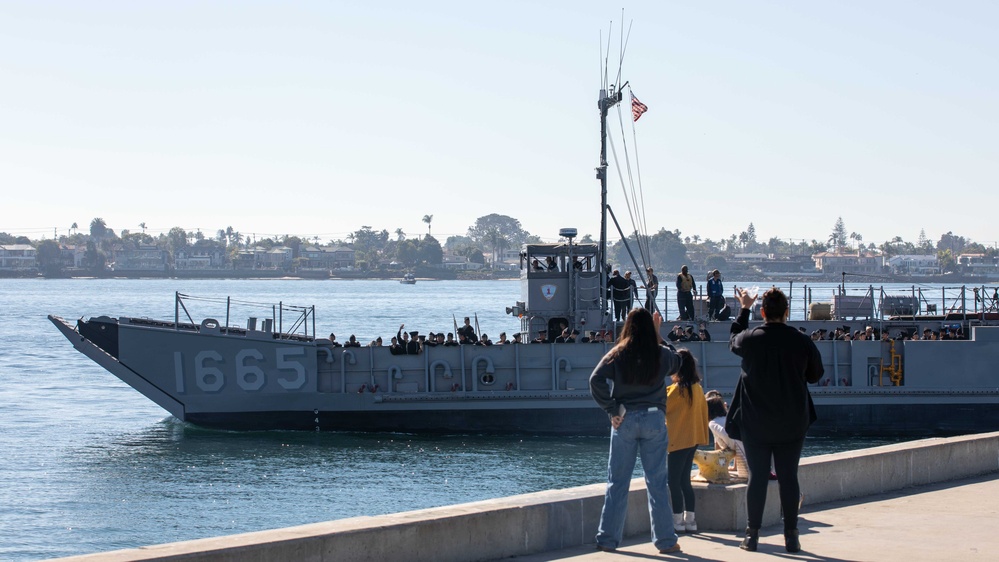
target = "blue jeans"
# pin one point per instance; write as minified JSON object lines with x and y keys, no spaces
{"x":642,"y":432}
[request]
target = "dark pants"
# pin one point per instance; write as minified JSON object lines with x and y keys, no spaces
{"x":681,"y":493}
{"x":650,"y":300}
{"x":785,"y":461}
{"x":715,"y":304}
{"x":621,"y":309}
{"x":685,"y":300}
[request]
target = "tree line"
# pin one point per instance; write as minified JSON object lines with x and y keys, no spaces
{"x":489,"y":235}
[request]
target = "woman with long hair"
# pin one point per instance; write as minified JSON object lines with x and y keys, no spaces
{"x":687,"y":422}
{"x":629,"y":384}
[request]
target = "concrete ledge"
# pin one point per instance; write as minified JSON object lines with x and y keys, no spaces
{"x":554,"y":520}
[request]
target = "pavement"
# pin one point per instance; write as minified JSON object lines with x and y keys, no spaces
{"x":956,"y":520}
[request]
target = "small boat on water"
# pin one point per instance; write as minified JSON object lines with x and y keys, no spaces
{"x":408,"y":279}
{"x":241,"y":372}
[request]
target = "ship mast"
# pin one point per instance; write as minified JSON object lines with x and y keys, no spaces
{"x":605,"y":102}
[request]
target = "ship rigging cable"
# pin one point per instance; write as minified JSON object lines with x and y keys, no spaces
{"x":634,"y":197}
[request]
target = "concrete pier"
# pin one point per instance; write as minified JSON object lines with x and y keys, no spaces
{"x":947,"y":521}
{"x":562,"y":523}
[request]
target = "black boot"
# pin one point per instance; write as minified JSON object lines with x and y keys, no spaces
{"x":752,"y":539}
{"x":791,"y":543}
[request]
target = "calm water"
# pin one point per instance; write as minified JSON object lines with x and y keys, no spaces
{"x":90,"y":465}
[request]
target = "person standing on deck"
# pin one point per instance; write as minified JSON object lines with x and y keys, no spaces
{"x":620,"y":292}
{"x":633,"y":295}
{"x":686,"y":288}
{"x":468,"y":331}
{"x":651,"y":290}
{"x":716,"y":295}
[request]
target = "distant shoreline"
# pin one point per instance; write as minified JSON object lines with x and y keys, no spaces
{"x":477,"y":276}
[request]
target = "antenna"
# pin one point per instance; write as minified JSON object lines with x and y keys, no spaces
{"x":624,"y":44}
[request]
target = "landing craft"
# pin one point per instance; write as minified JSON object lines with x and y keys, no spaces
{"x":257,"y":373}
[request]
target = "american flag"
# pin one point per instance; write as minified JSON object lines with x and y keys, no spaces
{"x":637,"y":108}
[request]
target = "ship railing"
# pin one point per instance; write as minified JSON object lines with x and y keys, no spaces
{"x":988,"y":297}
{"x":951,"y":302}
{"x":282,"y":319}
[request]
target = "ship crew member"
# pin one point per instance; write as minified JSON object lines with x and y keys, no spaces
{"x":413,"y":347}
{"x":563,"y":337}
{"x":450,"y":341}
{"x":431,"y":340}
{"x":686,"y":288}
{"x":651,"y":290}
{"x":633,"y":295}
{"x":620,"y":291}
{"x":333,"y":340}
{"x":542,"y":337}
{"x":772,"y":408}
{"x":395,"y":348}
{"x":468,"y":331}
{"x":516,"y":338}
{"x":716,"y":295}
{"x":502,"y":339}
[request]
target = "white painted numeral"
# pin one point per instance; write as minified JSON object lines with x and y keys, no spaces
{"x":249,"y":377}
{"x":209,"y":379}
{"x":284,"y":364}
{"x":178,"y":370}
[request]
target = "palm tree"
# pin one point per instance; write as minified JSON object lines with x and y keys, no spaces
{"x":858,"y":238}
{"x":427,"y":219}
{"x":74,"y":228}
{"x":142,"y":225}
{"x":400,"y":235}
{"x":496,"y":241}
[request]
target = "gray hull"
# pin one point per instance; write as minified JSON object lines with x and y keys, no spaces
{"x":257,"y":380}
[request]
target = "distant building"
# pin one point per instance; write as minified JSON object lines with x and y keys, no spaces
{"x":978,"y":264}
{"x":146,"y":257}
{"x":456,"y":262}
{"x":327,"y":257}
{"x":278,"y":257}
{"x":914,"y":264}
{"x":18,"y":257}
{"x":72,"y":255}
{"x":859,"y":263}
{"x":789,"y":265}
{"x":199,"y":259}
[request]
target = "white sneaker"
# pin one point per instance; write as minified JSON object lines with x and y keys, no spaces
{"x":689,"y":523}
{"x":678,"y":525}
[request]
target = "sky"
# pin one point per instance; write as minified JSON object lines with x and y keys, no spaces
{"x":315,"y":118}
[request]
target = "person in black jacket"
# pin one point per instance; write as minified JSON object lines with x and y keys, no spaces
{"x":772,"y":408}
